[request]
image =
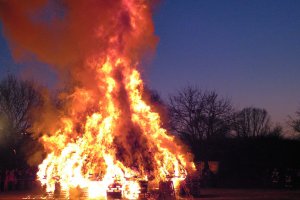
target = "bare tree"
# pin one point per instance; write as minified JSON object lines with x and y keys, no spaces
{"x":186,"y":114}
{"x":197,"y":115}
{"x":17,"y":97}
{"x":295,"y":122}
{"x":218,"y":112}
{"x":252,"y":122}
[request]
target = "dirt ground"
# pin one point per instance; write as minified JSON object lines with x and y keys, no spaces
{"x":247,"y":194}
{"x":206,"y":194}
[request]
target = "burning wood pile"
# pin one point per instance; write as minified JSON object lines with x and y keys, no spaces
{"x":106,"y":138}
{"x":146,"y":153}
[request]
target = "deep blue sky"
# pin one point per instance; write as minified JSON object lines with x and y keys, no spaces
{"x":246,"y":50}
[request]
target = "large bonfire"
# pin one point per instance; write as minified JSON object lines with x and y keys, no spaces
{"x":107,"y":130}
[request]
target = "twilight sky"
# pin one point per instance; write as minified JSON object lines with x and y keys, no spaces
{"x":246,"y":50}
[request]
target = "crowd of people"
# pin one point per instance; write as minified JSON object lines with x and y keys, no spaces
{"x":16,"y":179}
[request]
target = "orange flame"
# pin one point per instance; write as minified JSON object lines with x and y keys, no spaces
{"x":108,"y":132}
{"x":73,"y":159}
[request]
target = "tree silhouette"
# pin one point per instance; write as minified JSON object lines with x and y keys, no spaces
{"x":252,"y":122}
{"x":198,"y":116}
{"x":17,"y":99}
{"x":295,"y":122}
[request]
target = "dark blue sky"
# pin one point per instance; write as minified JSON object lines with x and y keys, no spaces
{"x":246,"y":50}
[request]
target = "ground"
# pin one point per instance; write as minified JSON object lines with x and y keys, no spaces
{"x":247,"y":194}
{"x":207,"y":194}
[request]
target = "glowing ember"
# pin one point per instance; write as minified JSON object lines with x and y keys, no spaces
{"x":110,"y":138}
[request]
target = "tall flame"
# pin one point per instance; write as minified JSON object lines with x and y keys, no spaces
{"x":108,"y":131}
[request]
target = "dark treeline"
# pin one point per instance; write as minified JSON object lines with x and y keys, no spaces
{"x":252,"y":162}
{"x":249,"y":150}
